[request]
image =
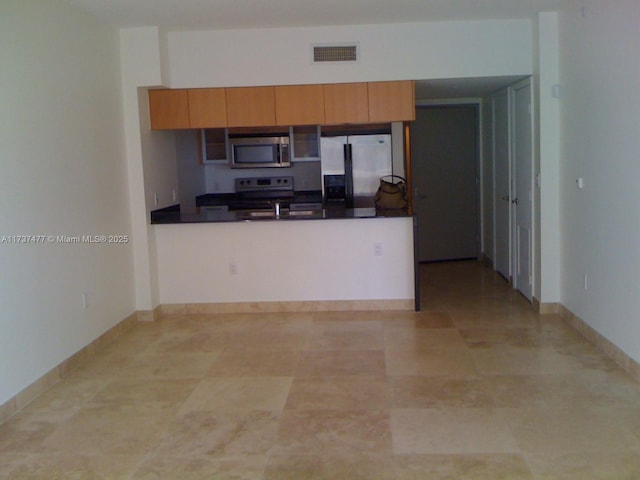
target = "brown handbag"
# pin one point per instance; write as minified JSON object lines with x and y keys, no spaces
{"x":392,"y":193}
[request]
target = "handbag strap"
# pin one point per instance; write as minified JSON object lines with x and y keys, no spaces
{"x":392,"y":177}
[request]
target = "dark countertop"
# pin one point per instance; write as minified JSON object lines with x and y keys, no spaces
{"x":231,"y":207}
{"x":173,"y":215}
{"x":235,"y":201}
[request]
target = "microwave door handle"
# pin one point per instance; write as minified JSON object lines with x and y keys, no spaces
{"x":283,"y":154}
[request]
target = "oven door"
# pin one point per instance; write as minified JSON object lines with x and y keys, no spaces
{"x":260,"y":152}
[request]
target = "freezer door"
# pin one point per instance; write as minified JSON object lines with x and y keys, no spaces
{"x":332,"y":155}
{"x":371,"y":157}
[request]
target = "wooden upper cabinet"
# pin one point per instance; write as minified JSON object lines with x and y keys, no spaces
{"x":392,"y":101}
{"x":330,"y":104}
{"x":250,"y":106}
{"x":207,"y":107}
{"x":299,"y":105}
{"x":169,"y":109}
{"x":346,"y":103}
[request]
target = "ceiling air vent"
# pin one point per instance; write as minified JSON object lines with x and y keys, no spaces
{"x":335,"y":53}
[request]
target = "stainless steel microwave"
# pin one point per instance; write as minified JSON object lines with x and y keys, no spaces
{"x":259,"y":152}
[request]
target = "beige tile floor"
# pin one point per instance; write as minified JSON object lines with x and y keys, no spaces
{"x":476,"y":386}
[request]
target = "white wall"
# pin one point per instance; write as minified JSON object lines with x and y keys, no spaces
{"x":319,"y":260}
{"x":141,"y":66}
{"x":599,"y":75}
{"x":388,"y":52}
{"x":62,"y":173}
{"x":547,"y":161}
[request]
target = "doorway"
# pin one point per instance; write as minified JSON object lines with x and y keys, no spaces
{"x":513,"y":185}
{"x":502,"y":179}
{"x":523,"y":189}
{"x":444,"y":162}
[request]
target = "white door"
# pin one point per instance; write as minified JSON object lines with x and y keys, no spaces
{"x":502,"y":192}
{"x":523,"y":188}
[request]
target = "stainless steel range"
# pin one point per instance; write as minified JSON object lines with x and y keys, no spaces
{"x":262,"y":193}
{"x":264,"y":196}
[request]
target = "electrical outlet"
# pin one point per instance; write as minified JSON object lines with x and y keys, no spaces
{"x":175,"y":195}
{"x":155,"y":199}
{"x":233,"y":268}
{"x":85,"y":300}
{"x":584,"y":281}
{"x":377,"y":249}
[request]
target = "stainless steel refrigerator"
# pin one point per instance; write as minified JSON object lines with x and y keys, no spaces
{"x":352,"y":167}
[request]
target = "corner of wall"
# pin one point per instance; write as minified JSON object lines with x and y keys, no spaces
{"x":141,"y":66}
{"x":611,"y":350}
{"x":141,"y":56}
{"x":548,"y":159}
{"x":77,"y":360}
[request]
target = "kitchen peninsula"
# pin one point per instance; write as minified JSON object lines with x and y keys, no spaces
{"x":298,"y":252}
{"x":331,"y":257}
{"x":285,"y":264}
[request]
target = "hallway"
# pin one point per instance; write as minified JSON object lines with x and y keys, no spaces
{"x":476,"y":386}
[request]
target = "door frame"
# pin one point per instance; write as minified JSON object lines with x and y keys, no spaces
{"x":478,"y":104}
{"x":510,"y":93}
{"x":527,"y":82}
{"x":509,"y":150}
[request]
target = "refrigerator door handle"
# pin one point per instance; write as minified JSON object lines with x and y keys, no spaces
{"x":348,"y":175}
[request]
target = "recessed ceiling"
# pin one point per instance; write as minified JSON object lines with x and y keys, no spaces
{"x":241,"y":14}
{"x":448,"y":88}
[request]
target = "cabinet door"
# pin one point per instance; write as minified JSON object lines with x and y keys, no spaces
{"x":306,"y":143}
{"x":207,"y":107}
{"x":299,"y":104}
{"x":213,"y":148}
{"x":346,"y":103}
{"x":392,"y":101}
{"x":250,"y":106}
{"x":169,"y":109}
